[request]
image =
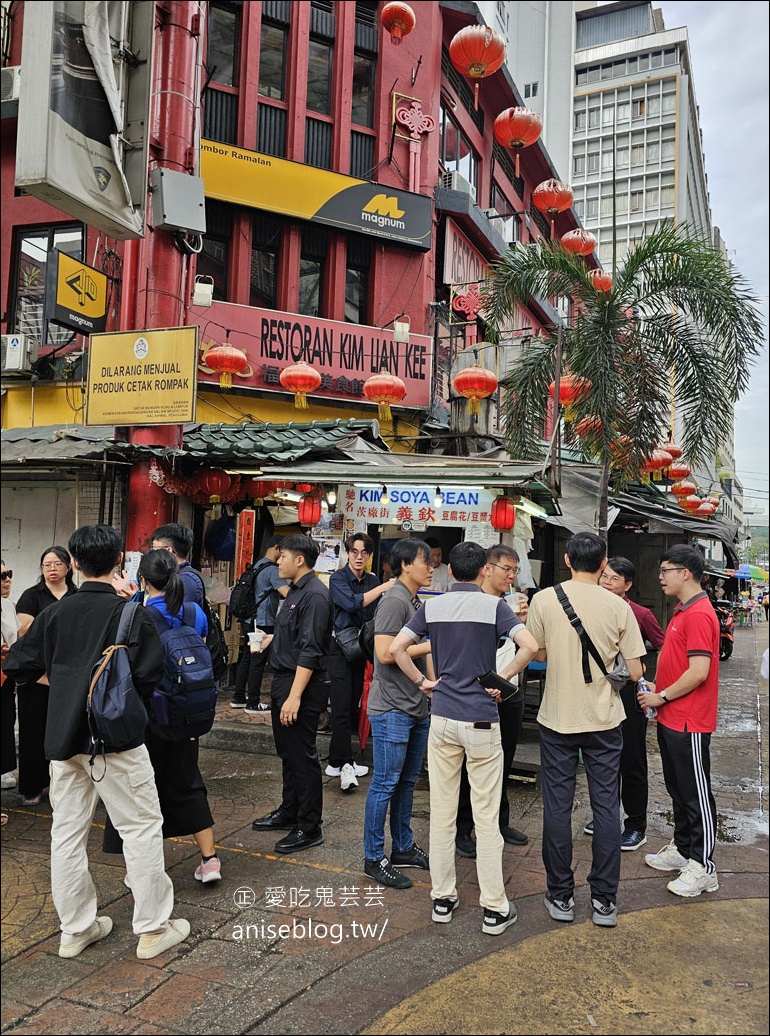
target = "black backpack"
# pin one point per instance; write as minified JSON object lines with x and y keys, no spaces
{"x":243,"y":604}
{"x":116,"y":714}
{"x":183,"y":703}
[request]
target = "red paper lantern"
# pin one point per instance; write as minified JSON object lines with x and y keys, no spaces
{"x":657,"y":461}
{"x":475,"y":383}
{"x":503,"y":513}
{"x":690,"y":503}
{"x":705,"y":510}
{"x":678,"y":470}
{"x":398,"y":19}
{"x":673,"y":449}
{"x":589,"y":428}
{"x":226,"y":360}
{"x":683,"y":489}
{"x":384,"y":389}
{"x":213,"y":484}
{"x":300,"y":378}
{"x":517,"y":128}
{"x":571,"y":390}
{"x":305,"y":487}
{"x":601,"y":279}
{"x":552,"y":197}
{"x":256,"y":488}
{"x":309,"y":510}
{"x":578,"y":242}
{"x":476,"y":51}
{"x":621,"y":451}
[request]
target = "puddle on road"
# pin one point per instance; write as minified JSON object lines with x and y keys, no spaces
{"x":736,"y":829}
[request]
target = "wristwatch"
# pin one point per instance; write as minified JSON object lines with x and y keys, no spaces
{"x":664,"y":696}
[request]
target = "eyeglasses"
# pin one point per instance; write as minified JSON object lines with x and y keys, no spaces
{"x":505,"y":568}
{"x":674,"y":568}
{"x":8,"y":573}
{"x":54,"y":564}
{"x":614,"y":578}
{"x":360,"y":553}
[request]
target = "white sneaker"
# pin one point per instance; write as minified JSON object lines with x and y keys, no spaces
{"x":668,"y":859}
{"x":348,"y":779}
{"x":332,"y":771}
{"x":7,"y":781}
{"x":75,"y":944}
{"x":152,"y":945}
{"x":360,"y":771}
{"x":693,"y":879}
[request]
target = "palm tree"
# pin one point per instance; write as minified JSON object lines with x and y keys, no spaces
{"x":678,"y":320}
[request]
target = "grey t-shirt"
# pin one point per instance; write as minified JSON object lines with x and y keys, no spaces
{"x":390,"y":688}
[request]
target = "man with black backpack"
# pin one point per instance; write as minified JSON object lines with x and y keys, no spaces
{"x":265,"y":589}
{"x":178,"y":539}
{"x":64,"y":644}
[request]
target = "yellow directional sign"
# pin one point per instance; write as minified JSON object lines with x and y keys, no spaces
{"x":77,"y":294}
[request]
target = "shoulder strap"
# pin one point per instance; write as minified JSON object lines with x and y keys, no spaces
{"x":588,"y":645}
{"x":188,"y":614}
{"x":126,"y":619}
{"x":161,"y":622}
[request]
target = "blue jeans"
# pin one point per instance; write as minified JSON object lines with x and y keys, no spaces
{"x":400,"y":741}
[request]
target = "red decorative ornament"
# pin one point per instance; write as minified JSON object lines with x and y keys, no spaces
{"x":657,"y":461}
{"x":683,"y":489}
{"x":601,"y":279}
{"x":621,"y":451}
{"x":552,"y":197}
{"x":384,"y":389}
{"x":256,"y":488}
{"x":226,"y":360}
{"x":398,"y":19}
{"x":309,"y":511}
{"x":475,"y":383}
{"x":673,"y":449}
{"x":589,"y":427}
{"x":517,"y":128}
{"x":690,"y":503}
{"x":476,"y":51}
{"x":300,"y":378}
{"x":678,"y":470}
{"x":503,"y":513}
{"x":214,"y":484}
{"x":578,"y":242}
{"x":705,"y":510}
{"x":571,"y":390}
{"x":305,"y":487}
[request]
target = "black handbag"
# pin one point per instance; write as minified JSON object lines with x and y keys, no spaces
{"x":619,"y":675}
{"x":349,"y":643}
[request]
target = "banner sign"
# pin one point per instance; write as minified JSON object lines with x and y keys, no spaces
{"x":414,"y":508}
{"x":244,"y":539}
{"x":463,"y":264}
{"x":258,"y":181}
{"x":142,"y":377}
{"x":76,"y":294}
{"x":344,"y":354}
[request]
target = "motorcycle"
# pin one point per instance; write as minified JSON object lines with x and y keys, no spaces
{"x":724,"y":610}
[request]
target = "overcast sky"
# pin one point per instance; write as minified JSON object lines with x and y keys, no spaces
{"x":728,"y":45}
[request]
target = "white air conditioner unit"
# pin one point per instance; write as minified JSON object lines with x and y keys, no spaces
{"x":9,"y":87}
{"x":19,"y":352}
{"x":454,"y":181}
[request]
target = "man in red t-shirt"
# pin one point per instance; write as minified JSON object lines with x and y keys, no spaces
{"x":686,"y":693}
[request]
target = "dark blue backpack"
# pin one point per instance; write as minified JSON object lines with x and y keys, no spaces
{"x":116,"y":714}
{"x":182,"y":705}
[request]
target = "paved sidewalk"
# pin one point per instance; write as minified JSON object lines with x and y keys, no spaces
{"x":350,"y":960}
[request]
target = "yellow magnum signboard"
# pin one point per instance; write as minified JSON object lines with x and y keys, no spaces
{"x":76,"y":295}
{"x":142,"y":377}
{"x":242,"y":177}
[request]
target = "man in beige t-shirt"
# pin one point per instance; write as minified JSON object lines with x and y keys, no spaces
{"x":577,"y":716}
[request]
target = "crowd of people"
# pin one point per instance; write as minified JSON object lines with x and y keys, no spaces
{"x":442,"y":682}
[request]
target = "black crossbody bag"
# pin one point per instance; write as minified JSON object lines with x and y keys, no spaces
{"x":619,"y":675}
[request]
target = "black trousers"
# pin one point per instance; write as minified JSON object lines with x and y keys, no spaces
{"x":32,"y":706}
{"x":346,"y":685}
{"x":7,"y":725}
{"x":687,"y":772}
{"x":634,"y":786}
{"x":250,"y":671}
{"x":296,"y":747}
{"x":511,"y":719}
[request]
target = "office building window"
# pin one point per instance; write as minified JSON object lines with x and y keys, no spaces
{"x":456,"y":152}
{"x":266,"y":233}
{"x":319,"y":77}
{"x":315,"y":247}
{"x":359,"y":257}
{"x":31,"y":251}
{"x":224,"y":39}
{"x":272,"y":60}
{"x":214,"y":259}
{"x":530,"y":89}
{"x":362,"y":100}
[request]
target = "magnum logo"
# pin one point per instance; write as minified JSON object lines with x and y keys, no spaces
{"x":383,"y":211}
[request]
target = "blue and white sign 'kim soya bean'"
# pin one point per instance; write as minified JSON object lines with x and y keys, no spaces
{"x":467,"y":506}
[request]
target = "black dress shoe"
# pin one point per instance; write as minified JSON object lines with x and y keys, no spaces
{"x":465,"y":846}
{"x":297,"y":839}
{"x":512,"y":836}
{"x":275,"y":821}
